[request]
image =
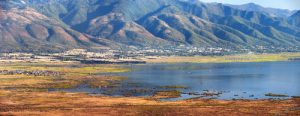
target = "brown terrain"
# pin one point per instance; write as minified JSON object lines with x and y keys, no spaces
{"x":28,"y":30}
{"x":60,"y":103}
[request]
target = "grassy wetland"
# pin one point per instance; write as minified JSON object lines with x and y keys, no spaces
{"x":25,"y":89}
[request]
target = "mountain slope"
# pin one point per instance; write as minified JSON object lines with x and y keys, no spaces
{"x":27,"y":30}
{"x":295,"y":19}
{"x":161,"y":23}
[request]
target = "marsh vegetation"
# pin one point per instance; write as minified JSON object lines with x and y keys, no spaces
{"x":44,"y":89}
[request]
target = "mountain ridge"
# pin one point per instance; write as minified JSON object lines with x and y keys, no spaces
{"x":275,"y":12}
{"x":165,"y":23}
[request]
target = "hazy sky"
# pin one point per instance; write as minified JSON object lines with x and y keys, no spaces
{"x":284,"y":4}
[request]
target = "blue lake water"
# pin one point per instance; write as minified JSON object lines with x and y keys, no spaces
{"x":233,"y":80}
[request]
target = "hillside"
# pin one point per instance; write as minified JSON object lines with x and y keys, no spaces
{"x":154,"y":23}
{"x":295,"y":19}
{"x":26,"y":30}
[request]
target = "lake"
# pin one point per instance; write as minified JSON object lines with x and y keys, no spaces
{"x":231,"y":80}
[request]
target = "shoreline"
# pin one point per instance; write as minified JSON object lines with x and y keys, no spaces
{"x":24,"y":90}
{"x":239,"y":58}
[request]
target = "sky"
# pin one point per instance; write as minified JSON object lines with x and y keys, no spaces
{"x":283,"y":4}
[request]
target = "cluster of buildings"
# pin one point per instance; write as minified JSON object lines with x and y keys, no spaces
{"x":178,"y":51}
{"x":132,"y":55}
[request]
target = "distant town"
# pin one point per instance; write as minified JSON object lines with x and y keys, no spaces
{"x":132,"y":55}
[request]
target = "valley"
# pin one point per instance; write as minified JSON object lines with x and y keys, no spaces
{"x":148,"y":58}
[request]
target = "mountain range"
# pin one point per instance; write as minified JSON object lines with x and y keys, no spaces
{"x":275,"y":12}
{"x":58,"y":25}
